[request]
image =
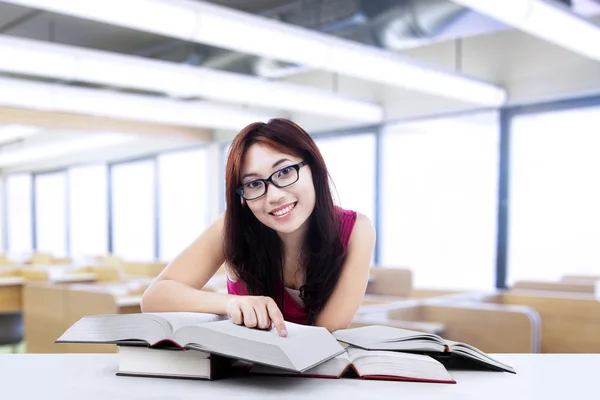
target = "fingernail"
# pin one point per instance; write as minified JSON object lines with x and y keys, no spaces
{"x":272,"y":325}
{"x":283,"y":332}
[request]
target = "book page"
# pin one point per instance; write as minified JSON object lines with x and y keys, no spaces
{"x":114,"y":328}
{"x":295,"y":331}
{"x":467,"y":350}
{"x":178,"y":320}
{"x":303,"y":348}
{"x":312,"y":347}
{"x":331,"y":368}
{"x":381,"y":356}
{"x":399,"y":365}
{"x":386,"y":337}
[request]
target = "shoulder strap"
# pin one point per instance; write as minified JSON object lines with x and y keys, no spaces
{"x":348,"y":219}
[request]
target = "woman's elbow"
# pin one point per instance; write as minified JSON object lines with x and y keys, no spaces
{"x":149,"y":301}
{"x":333,"y":326}
{"x":146,"y":302}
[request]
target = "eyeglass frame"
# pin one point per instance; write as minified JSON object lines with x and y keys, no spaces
{"x":240,"y":190}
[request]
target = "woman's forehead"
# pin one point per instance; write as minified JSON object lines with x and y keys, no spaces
{"x":260,"y":158}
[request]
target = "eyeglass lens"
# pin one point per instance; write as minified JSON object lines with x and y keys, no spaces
{"x":283,"y":177}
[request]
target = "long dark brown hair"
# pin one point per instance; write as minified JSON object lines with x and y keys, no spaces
{"x":255,"y":251}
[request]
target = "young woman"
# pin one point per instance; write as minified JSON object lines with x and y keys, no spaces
{"x":290,"y":254}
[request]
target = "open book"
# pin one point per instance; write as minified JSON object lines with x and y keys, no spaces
{"x":385,"y":365}
{"x":377,"y":337}
{"x":303,"y":348}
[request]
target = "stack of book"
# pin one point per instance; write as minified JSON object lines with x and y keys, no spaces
{"x":207,"y":346}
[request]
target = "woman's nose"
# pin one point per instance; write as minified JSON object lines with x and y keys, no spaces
{"x":274,"y":194}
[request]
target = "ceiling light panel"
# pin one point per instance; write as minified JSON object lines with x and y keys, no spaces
{"x":60,"y":98}
{"x":242,"y":32}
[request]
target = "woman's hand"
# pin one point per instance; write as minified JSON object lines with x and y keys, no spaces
{"x":256,"y":312}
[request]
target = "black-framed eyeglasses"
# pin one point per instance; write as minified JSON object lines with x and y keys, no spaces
{"x":281,"y":178}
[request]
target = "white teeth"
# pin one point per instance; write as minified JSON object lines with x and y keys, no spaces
{"x":285,"y":210}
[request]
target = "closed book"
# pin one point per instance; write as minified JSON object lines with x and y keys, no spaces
{"x":171,"y":362}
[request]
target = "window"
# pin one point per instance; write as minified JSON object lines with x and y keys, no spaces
{"x":3,"y":247}
{"x":439,"y":200}
{"x":183,"y":208}
{"x":351,"y":164}
{"x":19,"y":214}
{"x":554,"y":217}
{"x":222,"y":173}
{"x":51,"y":213}
{"x":88,"y":215}
{"x":132,"y":210}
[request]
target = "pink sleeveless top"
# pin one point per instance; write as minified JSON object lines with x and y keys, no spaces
{"x":292,"y":311}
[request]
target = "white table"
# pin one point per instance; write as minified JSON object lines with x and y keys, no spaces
{"x":86,"y":376}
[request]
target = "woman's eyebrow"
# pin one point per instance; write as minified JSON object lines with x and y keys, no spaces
{"x":279,"y":162}
{"x":249,"y":175}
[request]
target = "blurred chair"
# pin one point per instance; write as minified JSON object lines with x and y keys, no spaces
{"x":151,"y":269}
{"x":580,"y":278}
{"x":386,"y":281}
{"x":11,"y":329}
{"x":5,"y":262}
{"x":570,"y":322}
{"x":580,"y":286}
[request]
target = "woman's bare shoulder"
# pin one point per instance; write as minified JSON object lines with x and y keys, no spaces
{"x":363,"y":232}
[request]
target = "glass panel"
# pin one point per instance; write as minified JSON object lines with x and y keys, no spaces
{"x":183,"y":208}
{"x":51,"y":213}
{"x":554,"y":222}
{"x":3,"y":248}
{"x":133,"y":227}
{"x":19,"y":214}
{"x":222,"y":188}
{"x":88,"y":219}
{"x":351,"y":164}
{"x":439,"y":195}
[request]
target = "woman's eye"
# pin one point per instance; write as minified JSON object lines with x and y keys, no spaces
{"x":285,"y":171}
{"x":253,"y":184}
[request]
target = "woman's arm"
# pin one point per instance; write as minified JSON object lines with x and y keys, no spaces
{"x":177,"y":288}
{"x":348,"y":295}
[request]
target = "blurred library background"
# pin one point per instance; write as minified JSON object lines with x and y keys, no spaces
{"x":466,"y":130}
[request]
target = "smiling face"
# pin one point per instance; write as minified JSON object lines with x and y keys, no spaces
{"x":281,"y":209}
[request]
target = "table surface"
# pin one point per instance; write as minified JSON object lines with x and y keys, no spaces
{"x":92,"y":376}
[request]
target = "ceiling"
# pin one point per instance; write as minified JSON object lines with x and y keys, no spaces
{"x":390,"y":24}
{"x":393,"y":25}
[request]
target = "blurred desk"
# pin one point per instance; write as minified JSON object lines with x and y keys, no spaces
{"x":92,"y":376}
{"x":11,"y":281}
{"x":129,"y":301}
{"x":11,"y":297}
{"x":421,"y":326}
{"x":50,"y":309}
